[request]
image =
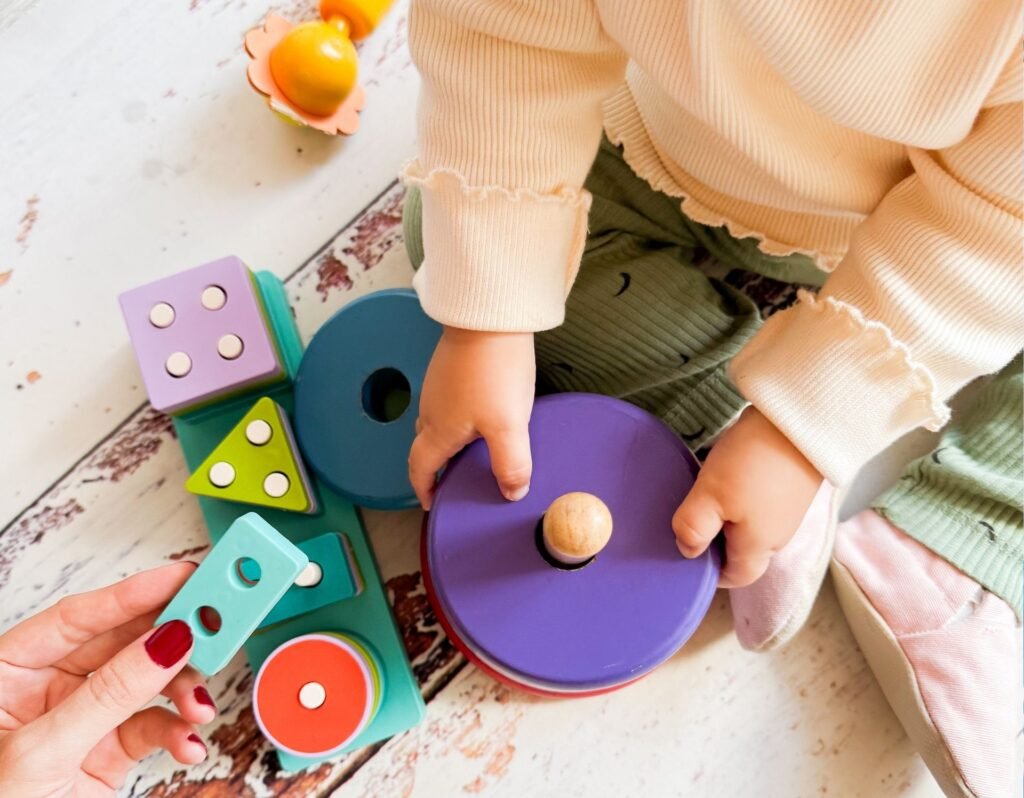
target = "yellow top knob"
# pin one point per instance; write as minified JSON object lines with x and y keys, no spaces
{"x":315,"y":66}
{"x":362,"y":16}
{"x":576,"y":527}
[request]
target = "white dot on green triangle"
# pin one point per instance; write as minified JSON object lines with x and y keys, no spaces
{"x":258,"y":432}
{"x":222,"y":474}
{"x":276,"y":485}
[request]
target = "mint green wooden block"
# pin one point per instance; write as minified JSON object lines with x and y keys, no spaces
{"x":240,"y":602}
{"x":338,"y":579}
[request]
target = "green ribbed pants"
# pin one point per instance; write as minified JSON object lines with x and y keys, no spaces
{"x":662,"y":303}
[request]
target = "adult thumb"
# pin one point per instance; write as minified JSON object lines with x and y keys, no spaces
{"x":113,"y":693}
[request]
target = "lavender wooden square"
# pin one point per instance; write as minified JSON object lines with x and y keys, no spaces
{"x":200,"y":335}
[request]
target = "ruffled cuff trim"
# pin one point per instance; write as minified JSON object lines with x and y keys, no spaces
{"x":840,"y":386}
{"x":496,"y":258}
{"x":885,"y":342}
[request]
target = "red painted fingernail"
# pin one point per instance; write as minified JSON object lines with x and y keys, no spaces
{"x":195,"y":738}
{"x":203,"y":696}
{"x":169,"y":643}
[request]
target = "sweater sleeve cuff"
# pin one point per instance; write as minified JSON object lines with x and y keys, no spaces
{"x":496,"y":259}
{"x":839,"y":386}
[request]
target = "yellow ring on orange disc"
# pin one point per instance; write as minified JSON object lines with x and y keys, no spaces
{"x":346,"y":689}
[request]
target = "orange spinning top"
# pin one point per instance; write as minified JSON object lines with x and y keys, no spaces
{"x":309,"y":72}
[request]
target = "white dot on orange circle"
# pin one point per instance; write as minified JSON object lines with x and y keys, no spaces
{"x":230,"y":346}
{"x":178,"y":364}
{"x":312,"y":695}
{"x":222,"y":474}
{"x":311,"y":576}
{"x":258,"y":432}
{"x":213,"y":297}
{"x":161,"y":315}
{"x":276,"y":485}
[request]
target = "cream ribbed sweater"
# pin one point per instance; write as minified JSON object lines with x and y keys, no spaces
{"x":881,"y":137}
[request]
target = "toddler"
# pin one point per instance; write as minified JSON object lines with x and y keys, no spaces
{"x":871,"y":148}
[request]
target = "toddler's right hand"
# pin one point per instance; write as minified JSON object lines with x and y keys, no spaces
{"x":478,"y":384}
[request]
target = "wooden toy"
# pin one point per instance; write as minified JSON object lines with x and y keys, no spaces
{"x":330,"y":577}
{"x":576,"y":527}
{"x":357,"y":394}
{"x":200,"y":336}
{"x":309,"y":72}
{"x":604,"y":608}
{"x":364,"y":617}
{"x":316,"y":693}
{"x":257,"y":463}
{"x":238,"y":583}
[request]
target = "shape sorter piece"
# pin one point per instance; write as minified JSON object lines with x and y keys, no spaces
{"x":332,"y":575}
{"x":356,"y":393}
{"x":257,"y":463}
{"x":315,"y":694}
{"x":222,"y":606}
{"x":200,"y":335}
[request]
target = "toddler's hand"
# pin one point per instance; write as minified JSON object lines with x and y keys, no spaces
{"x":756,"y":488}
{"x":478,"y":384}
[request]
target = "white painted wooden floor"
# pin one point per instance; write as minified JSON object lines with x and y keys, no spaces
{"x":131,"y":147}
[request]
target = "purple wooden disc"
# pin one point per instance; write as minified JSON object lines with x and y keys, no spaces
{"x":608,"y":622}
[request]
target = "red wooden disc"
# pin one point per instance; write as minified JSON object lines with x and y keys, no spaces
{"x":348,"y":689}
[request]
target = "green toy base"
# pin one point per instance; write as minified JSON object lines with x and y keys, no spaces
{"x":368,"y":615}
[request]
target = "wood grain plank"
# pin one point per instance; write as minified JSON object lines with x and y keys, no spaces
{"x":809,"y":718}
{"x":123,"y":508}
{"x":714,"y":721}
{"x":134,"y":148}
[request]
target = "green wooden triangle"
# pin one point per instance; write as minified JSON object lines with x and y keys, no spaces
{"x":257,"y":463}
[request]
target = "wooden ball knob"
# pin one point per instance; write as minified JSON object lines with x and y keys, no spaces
{"x":576,"y":527}
{"x":315,"y":66}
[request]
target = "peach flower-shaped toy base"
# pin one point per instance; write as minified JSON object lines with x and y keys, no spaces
{"x":258,"y":43}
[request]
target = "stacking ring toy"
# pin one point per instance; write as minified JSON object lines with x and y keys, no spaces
{"x":578,"y":588}
{"x":315,"y":694}
{"x":357,"y":393}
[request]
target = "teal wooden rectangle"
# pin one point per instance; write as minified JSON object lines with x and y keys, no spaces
{"x":240,"y":603}
{"x":366,"y":615}
{"x":337,"y":582}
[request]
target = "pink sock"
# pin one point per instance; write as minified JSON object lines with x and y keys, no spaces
{"x":774,"y":608}
{"x":962,"y":642}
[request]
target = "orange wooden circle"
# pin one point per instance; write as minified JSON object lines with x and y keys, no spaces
{"x":345,"y":712}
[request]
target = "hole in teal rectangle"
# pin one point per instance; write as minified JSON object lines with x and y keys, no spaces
{"x":247,"y":571}
{"x":208,"y":620}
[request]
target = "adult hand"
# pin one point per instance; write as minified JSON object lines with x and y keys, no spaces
{"x":74,"y":681}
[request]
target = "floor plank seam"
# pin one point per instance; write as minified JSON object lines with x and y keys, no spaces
{"x":368,"y":753}
{"x":141,"y":408}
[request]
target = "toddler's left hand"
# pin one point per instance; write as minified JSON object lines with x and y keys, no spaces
{"x":755,"y":487}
